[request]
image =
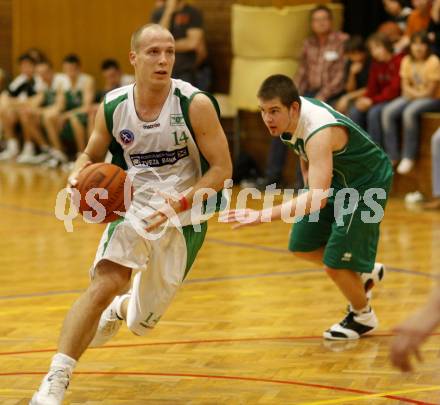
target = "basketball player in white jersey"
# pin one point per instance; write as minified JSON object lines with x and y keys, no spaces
{"x":170,"y":132}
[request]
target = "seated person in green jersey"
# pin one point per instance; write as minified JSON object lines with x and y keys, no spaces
{"x":79,"y":94}
{"x":113,"y":77}
{"x":348,"y":178}
{"x":48,"y":101}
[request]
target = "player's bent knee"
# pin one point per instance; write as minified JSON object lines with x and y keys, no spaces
{"x":108,"y":281}
{"x":310,"y":256}
{"x":100,"y":295}
{"x":332,"y":273}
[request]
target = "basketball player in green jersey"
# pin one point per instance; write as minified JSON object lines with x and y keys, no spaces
{"x":48,"y":101}
{"x":158,"y":127}
{"x":335,"y":154}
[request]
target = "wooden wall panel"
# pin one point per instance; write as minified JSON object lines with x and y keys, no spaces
{"x":217,"y":16}
{"x":94,"y":29}
{"x":97,"y":29}
{"x":6,"y":35}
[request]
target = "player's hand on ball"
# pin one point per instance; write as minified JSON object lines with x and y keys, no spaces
{"x":72,"y":180}
{"x":239,"y":218}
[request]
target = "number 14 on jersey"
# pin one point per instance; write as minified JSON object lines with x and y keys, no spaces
{"x":179,"y":139}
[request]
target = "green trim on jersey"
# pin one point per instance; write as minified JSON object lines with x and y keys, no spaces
{"x":336,"y":124}
{"x":115,"y":149}
{"x":361,"y":164}
{"x":184,"y":105}
{"x":74,"y":99}
{"x":49,"y":97}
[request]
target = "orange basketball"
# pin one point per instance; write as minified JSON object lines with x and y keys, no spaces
{"x":102,"y":185}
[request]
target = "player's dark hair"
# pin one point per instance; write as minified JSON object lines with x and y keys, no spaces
{"x":72,"y":58}
{"x":421,"y":36}
{"x":355,"y":44}
{"x":382,"y":39}
{"x":321,"y":7}
{"x":110,"y":64}
{"x":25,"y":57}
{"x":279,"y":86}
{"x":45,"y":62}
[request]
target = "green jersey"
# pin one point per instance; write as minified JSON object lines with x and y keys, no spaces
{"x":361,"y":164}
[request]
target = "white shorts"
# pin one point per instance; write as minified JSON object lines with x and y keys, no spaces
{"x":159,"y":266}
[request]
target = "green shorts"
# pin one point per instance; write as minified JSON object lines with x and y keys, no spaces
{"x":349,"y":241}
{"x":67,"y":131}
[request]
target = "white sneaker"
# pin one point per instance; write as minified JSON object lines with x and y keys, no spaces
{"x":59,"y":155}
{"x":353,"y":326}
{"x":51,"y":163}
{"x":11,"y":150}
{"x":108,"y":326}
{"x":405,"y":166}
{"x":8,"y":154}
{"x":53,"y":387}
{"x":40,"y":158}
{"x":27,"y":153}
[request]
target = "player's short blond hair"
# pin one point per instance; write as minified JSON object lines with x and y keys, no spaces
{"x":134,"y":43}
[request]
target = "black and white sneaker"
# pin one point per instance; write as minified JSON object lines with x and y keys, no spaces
{"x":353,"y":326}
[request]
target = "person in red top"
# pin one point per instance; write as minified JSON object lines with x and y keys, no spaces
{"x":383,"y":86}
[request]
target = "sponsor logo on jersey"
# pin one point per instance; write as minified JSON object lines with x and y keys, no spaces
{"x":177,"y":120}
{"x":151,"y":126}
{"x":346,"y":257}
{"x":158,"y":159}
{"x":126,"y":136}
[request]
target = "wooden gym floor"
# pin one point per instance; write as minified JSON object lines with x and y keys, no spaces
{"x":245,"y":328}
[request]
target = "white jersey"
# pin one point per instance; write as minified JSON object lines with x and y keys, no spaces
{"x":163,"y":153}
{"x":80,"y":85}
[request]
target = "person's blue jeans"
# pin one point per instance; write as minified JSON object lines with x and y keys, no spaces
{"x":370,"y":121}
{"x":435,"y":156}
{"x":403,"y":113}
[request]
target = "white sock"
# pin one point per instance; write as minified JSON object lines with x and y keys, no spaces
{"x":12,"y":145}
{"x":28,"y":148}
{"x":64,"y":361}
{"x":362,"y":311}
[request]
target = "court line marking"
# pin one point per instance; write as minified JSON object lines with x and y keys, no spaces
{"x":218,"y":279}
{"x":391,"y":394}
{"x":197,"y":341}
{"x":194,"y":281}
{"x":229,"y":377}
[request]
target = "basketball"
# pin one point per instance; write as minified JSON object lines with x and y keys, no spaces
{"x":109,"y":180}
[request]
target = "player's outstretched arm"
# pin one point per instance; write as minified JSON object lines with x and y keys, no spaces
{"x":319,"y":174}
{"x":411,"y":333}
{"x":96,"y":148}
